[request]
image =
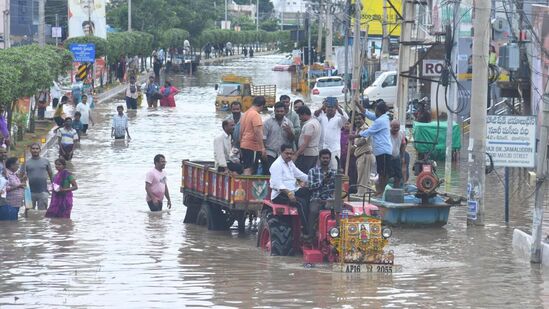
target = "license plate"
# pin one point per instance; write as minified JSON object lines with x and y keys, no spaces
{"x":366,"y":268}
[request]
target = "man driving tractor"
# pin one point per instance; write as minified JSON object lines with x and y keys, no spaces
{"x":284,"y":176}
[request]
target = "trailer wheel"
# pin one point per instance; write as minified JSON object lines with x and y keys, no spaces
{"x":205,"y":216}
{"x":193,"y":207}
{"x":275,"y":236}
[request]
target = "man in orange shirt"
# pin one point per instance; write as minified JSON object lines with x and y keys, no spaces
{"x":251,"y":137}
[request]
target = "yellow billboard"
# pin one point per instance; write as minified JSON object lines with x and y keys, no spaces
{"x":372,"y":14}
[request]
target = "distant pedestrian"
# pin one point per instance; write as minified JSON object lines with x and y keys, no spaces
{"x":121,"y":69}
{"x":6,"y":211}
{"x":4,"y":128}
{"x":157,"y":65}
{"x":168,"y":93}
{"x":131,"y":94}
{"x":43,"y":103}
{"x":77,"y":124}
{"x":251,"y":52}
{"x":119,"y":127}
{"x":55,"y":94}
{"x":152,"y":91}
{"x":16,"y":188}
{"x":38,"y":171}
{"x":67,"y":136}
{"x":3,"y":158}
{"x":245,"y":51}
{"x":85,"y":112}
{"x":61,"y":198}
{"x":58,"y":114}
{"x":156,"y":185}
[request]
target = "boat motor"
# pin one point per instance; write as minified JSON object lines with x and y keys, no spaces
{"x":427,"y":180}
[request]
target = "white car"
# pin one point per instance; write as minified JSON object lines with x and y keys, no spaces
{"x":328,"y":86}
{"x":384,"y":87}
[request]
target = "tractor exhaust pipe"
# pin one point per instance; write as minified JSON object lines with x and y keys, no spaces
{"x":338,"y":193}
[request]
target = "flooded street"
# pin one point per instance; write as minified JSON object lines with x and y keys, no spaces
{"x":115,"y":253}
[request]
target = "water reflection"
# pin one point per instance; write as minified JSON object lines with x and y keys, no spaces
{"x":115,"y":253}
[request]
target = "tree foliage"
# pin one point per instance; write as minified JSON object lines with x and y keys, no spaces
{"x":173,"y":38}
{"x":29,"y":69}
{"x":130,"y":44}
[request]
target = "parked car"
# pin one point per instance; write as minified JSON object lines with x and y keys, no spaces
{"x":329,"y":86}
{"x":284,"y":65}
{"x":384,"y":88}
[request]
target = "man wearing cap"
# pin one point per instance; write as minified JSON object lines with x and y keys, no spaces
{"x":331,"y":123}
{"x":381,"y":138}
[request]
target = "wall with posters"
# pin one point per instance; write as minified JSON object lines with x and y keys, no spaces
{"x":87,"y":17}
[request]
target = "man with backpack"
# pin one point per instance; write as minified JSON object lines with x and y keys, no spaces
{"x":131,"y":94}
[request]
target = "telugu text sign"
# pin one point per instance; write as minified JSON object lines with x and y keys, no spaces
{"x":511,"y":140}
{"x":83,"y":52}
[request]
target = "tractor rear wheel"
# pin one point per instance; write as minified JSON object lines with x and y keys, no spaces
{"x":193,"y":207}
{"x":275,"y":235}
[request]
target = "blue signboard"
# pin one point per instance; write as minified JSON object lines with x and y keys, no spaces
{"x":83,"y":52}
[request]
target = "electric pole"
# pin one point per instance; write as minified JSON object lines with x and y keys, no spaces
{"x":225,"y":27}
{"x":319,"y":38}
{"x":42,"y":23}
{"x":404,"y":56}
{"x":385,"y":42}
{"x":541,"y":187}
{"x":479,"y":93}
{"x":329,"y":33}
{"x":7,"y":31}
{"x":452,"y":101}
{"x":357,"y":64}
{"x":129,"y":15}
{"x":56,"y":26}
{"x":346,"y":67}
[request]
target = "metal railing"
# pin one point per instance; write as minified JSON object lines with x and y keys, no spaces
{"x":499,"y":108}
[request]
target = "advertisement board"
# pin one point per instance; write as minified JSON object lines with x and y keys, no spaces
{"x":87,"y":17}
{"x":372,"y":14}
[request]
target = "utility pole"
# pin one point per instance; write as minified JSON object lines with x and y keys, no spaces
{"x":56,"y":26}
{"x":226,"y":13}
{"x":541,"y":186}
{"x":42,"y":23}
{"x":453,"y":67}
{"x":319,"y":38}
{"x":309,"y":52}
{"x":479,"y":93}
{"x":357,"y":64}
{"x":385,"y":43}
{"x":404,"y":56}
{"x":329,"y":32}
{"x":7,"y":31}
{"x":129,"y":15}
{"x":346,"y":68}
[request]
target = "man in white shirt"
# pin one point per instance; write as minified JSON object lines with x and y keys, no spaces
{"x":223,"y":148}
{"x":85,"y":112}
{"x":331,"y":123}
{"x":119,"y":127}
{"x":284,"y":175}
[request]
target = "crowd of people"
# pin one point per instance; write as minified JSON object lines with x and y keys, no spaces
{"x":301,"y":146}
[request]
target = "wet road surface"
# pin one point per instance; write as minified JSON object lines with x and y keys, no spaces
{"x":115,"y":253}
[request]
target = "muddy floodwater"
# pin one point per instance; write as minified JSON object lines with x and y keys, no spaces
{"x":115,"y":253}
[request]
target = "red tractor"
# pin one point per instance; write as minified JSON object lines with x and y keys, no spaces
{"x":280,"y":226}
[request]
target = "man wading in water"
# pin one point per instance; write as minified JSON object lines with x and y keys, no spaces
{"x":156,"y":185}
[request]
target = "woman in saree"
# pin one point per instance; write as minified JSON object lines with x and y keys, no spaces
{"x":168,"y":93}
{"x":63,"y":185}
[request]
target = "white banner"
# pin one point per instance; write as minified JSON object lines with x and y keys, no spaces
{"x":87,"y":17}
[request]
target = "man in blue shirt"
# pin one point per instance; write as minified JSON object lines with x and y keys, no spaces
{"x":381,"y":141}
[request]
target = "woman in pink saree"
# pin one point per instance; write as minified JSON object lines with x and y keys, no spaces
{"x":63,"y":185}
{"x":168,"y":93}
